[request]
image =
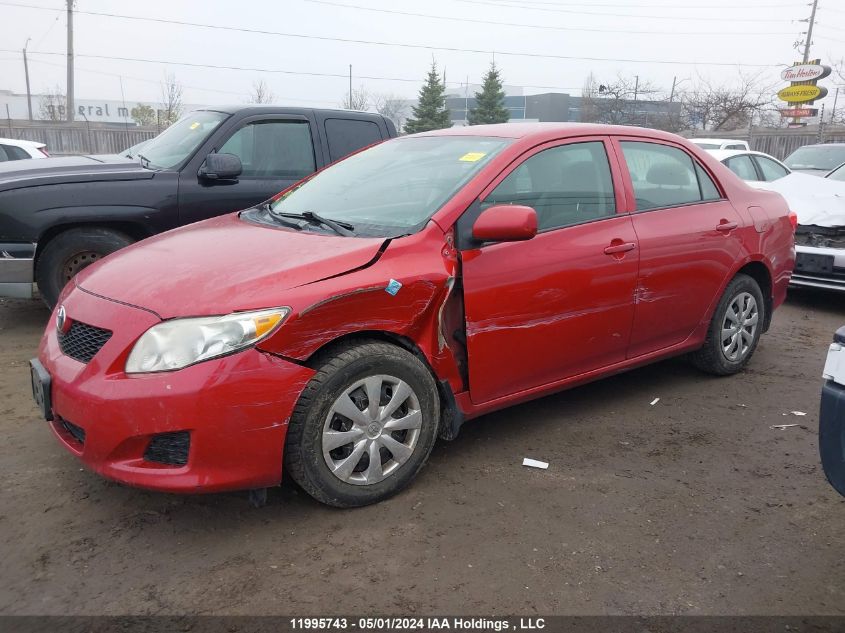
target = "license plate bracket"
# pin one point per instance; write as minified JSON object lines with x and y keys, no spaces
{"x":41,"y":388}
{"x":814,"y":263}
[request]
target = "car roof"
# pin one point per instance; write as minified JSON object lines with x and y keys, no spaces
{"x":15,"y":141}
{"x":549,"y":131}
{"x":723,"y":154}
{"x":717,"y":140}
{"x":271,"y":109}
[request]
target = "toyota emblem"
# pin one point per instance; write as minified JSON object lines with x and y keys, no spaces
{"x":62,"y":322}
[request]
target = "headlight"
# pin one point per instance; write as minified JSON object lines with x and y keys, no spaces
{"x":182,"y":342}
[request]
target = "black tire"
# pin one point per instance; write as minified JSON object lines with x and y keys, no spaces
{"x":338,"y":370}
{"x":710,"y":358}
{"x":70,"y":252}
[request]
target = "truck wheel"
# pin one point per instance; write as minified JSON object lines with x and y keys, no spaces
{"x":363,"y":426}
{"x":68,"y":253}
{"x":734,"y":330}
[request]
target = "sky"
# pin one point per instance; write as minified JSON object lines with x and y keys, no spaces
{"x":543,"y":45}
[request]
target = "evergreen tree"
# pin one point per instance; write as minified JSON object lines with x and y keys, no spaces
{"x":490,"y":101}
{"x":431,"y":112}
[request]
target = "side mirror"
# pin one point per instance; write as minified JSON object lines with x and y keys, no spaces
{"x":221,"y":167}
{"x":505,"y":223}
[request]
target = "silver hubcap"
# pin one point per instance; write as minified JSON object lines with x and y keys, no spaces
{"x":371,"y":430}
{"x":739,"y":327}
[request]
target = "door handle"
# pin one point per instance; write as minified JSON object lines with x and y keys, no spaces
{"x":618,"y":247}
{"x":726,"y":226}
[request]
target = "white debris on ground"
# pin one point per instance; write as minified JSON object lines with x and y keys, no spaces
{"x":655,"y":401}
{"x":533,"y":463}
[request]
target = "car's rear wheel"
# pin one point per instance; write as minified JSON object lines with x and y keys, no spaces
{"x":70,"y":252}
{"x":363,"y":426}
{"x":734,"y":330}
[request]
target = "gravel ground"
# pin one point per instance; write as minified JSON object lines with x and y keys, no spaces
{"x":694,"y":505}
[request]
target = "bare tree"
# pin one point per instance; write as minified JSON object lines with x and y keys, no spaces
{"x":52,"y":105}
{"x":617,"y":102}
{"x":358,"y":100}
{"x":393,"y":107}
{"x":731,"y":106}
{"x":171,"y":100}
{"x":589,"y":94}
{"x":261,"y":93}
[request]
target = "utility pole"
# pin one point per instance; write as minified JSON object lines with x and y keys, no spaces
{"x":349,"y":100}
{"x":672,"y":94}
{"x":636,"y":86}
{"x":26,"y":73}
{"x":810,"y":32}
{"x":69,"y":98}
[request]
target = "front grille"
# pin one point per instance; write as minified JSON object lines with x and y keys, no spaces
{"x":82,"y":341}
{"x":820,"y":237}
{"x":77,"y":432}
{"x":169,"y":448}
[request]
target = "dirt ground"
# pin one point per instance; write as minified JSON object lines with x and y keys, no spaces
{"x":691,"y":506}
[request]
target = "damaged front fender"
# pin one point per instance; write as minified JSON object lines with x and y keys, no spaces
{"x":409,"y":292}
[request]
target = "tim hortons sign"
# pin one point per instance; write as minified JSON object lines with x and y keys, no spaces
{"x":802,"y":93}
{"x":805,"y":72}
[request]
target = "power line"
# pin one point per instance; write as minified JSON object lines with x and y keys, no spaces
{"x":427,"y":47}
{"x":674,"y":6}
{"x":539,"y":26}
{"x":622,"y":15}
{"x":416,"y":80}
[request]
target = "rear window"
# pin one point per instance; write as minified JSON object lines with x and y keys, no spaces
{"x":348,"y":135}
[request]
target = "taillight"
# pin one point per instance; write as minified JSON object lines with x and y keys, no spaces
{"x":793,"y":220}
{"x":43,"y":150}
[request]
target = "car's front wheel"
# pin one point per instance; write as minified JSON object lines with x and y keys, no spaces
{"x":734,"y":330}
{"x":364,"y":425}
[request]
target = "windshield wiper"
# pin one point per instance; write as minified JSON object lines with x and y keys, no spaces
{"x":145,"y":162}
{"x":341,"y":228}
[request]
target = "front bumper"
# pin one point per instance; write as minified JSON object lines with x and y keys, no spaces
{"x":235,"y":409}
{"x":17,"y":269}
{"x":834,"y":280}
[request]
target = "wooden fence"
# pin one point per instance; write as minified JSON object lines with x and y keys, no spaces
{"x":78,"y":138}
{"x":781,"y":143}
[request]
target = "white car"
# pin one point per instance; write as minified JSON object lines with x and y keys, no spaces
{"x":12,"y":149}
{"x":751,"y":166}
{"x":820,"y":238}
{"x":720,"y":143}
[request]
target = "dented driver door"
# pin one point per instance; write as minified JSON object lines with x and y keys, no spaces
{"x":560,"y":304}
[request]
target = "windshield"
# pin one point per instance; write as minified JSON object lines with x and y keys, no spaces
{"x":394,"y":186}
{"x":816,"y":157}
{"x":707,"y":145}
{"x":179,"y":141}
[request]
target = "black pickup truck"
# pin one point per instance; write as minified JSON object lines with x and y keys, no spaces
{"x":58,"y":215}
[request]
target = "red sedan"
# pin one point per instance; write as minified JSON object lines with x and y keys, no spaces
{"x":345,"y":325}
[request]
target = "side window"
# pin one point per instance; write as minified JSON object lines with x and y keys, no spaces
{"x":771,"y":170}
{"x":348,"y":135}
{"x":14,"y":153}
{"x":708,"y":187}
{"x":742,"y":167}
{"x":565,"y":185}
{"x":3,"y":156}
{"x":662,"y":176}
{"x":273,"y":149}
{"x":735,"y":146}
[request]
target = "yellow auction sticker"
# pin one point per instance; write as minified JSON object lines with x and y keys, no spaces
{"x":195,"y":125}
{"x":471,"y":157}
